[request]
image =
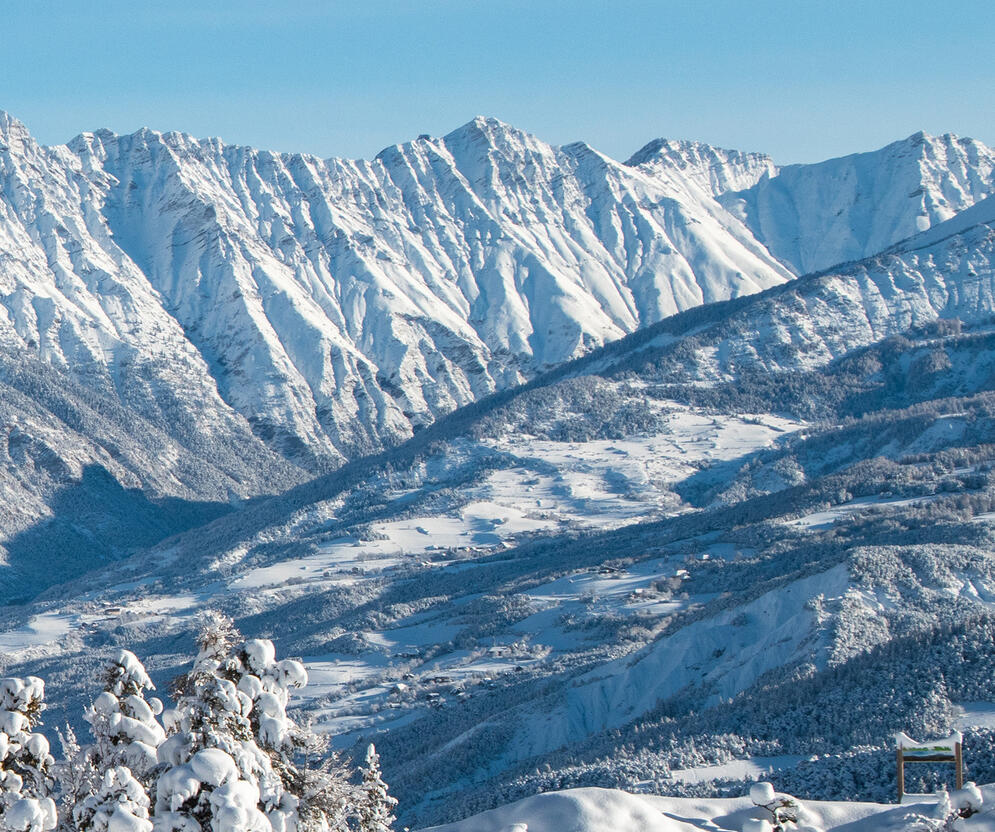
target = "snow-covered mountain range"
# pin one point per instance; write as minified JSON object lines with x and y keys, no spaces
{"x":334,"y":306}
{"x":576,"y":451}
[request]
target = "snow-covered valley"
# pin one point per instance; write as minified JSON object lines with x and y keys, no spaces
{"x":526,"y":487}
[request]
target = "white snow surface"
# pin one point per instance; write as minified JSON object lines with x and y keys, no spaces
{"x":611,"y":810}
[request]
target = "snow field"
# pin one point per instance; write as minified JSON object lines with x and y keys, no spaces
{"x":825,"y":519}
{"x":611,"y":810}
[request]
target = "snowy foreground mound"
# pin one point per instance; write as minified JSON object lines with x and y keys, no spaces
{"x":611,"y":810}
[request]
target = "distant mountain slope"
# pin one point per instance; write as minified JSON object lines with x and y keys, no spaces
{"x":336,"y":306}
{"x":948,"y":272}
{"x":85,"y":480}
{"x":112,"y":432}
{"x":375,"y":296}
{"x":815,"y":216}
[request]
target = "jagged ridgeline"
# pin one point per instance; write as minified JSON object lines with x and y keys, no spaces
{"x":754,"y":530}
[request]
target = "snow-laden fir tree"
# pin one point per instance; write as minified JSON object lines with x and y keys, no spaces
{"x":119,"y":804}
{"x":105,"y":784}
{"x":125,"y":729}
{"x":216,"y":776}
{"x":308,"y":769}
{"x":25,"y":761}
{"x":375,"y":807}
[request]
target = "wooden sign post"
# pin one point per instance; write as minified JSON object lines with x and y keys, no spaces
{"x":948,"y":750}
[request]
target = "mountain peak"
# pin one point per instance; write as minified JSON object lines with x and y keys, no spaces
{"x":818,"y":215}
{"x":13,"y":133}
{"x":650,"y":151}
{"x":488,"y":129}
{"x":716,"y":170}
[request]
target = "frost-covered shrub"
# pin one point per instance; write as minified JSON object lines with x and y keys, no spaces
{"x":950,"y":810}
{"x":967,"y":801}
{"x":961,"y":803}
{"x":783,"y":811}
{"x":75,"y":775}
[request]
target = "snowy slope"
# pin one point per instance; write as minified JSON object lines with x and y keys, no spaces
{"x":200,"y":313}
{"x":713,"y":169}
{"x":816,"y":216}
{"x":610,"y":810}
{"x":945,"y":272}
{"x":455,"y":601}
{"x":73,"y":299}
{"x":107,"y":409}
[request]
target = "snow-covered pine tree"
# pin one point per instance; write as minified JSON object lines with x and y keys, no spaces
{"x":216,"y":776}
{"x":375,"y":808}
{"x":308,"y":769}
{"x":119,"y":804}
{"x":25,"y":762}
{"x":125,"y":729}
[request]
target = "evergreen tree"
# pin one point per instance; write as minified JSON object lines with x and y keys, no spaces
{"x":216,"y":776}
{"x":120,"y":804}
{"x":25,"y":761}
{"x":376,"y":807}
{"x":310,"y":772}
{"x":124,"y":725}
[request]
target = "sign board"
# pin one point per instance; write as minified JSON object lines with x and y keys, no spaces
{"x":945,"y":750}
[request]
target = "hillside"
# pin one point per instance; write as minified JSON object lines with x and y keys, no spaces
{"x":670,"y":559}
{"x":695,"y":546}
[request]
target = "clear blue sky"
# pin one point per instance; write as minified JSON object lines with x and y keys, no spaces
{"x":801,"y":80}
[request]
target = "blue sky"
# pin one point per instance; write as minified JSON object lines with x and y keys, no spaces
{"x":798,"y":79}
